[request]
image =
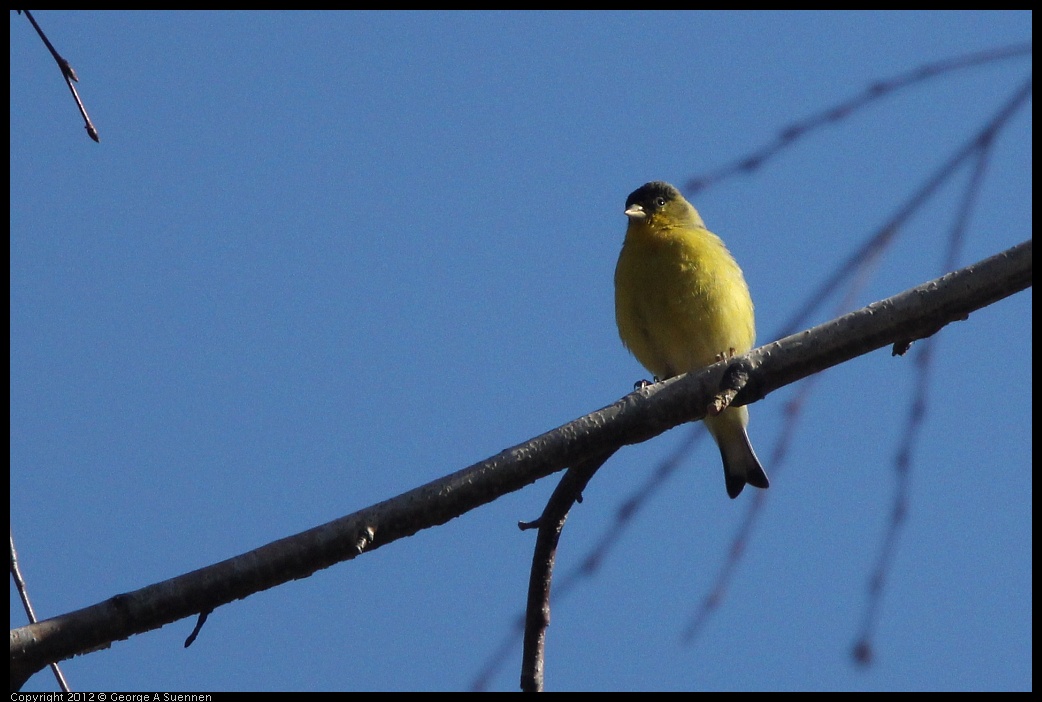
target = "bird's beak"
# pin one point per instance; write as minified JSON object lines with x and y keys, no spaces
{"x":636,"y":212}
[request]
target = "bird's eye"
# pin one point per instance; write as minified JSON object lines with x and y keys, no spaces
{"x":660,"y":201}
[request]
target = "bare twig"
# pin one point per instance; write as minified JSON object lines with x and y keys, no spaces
{"x":23,"y":593}
{"x":886,"y":232}
{"x":203,"y":616}
{"x":854,"y":272}
{"x":794,"y":132}
{"x":592,"y":562}
{"x":69,"y":75}
{"x":550,"y":524}
{"x":862,"y":651}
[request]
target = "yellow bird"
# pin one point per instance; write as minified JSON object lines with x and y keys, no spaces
{"x":681,"y":304}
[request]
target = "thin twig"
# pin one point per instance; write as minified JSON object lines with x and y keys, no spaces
{"x":69,"y":75}
{"x":862,"y":651}
{"x":794,"y":132}
{"x":23,"y":593}
{"x":203,"y":616}
{"x":625,"y":513}
{"x":859,"y":265}
{"x":912,"y":205}
{"x":550,"y":523}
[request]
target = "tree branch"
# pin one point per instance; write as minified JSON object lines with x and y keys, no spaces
{"x":550,"y":523}
{"x":68,"y":74}
{"x":637,"y":417}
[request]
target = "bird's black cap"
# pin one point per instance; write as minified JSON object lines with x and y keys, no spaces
{"x":649,"y":192}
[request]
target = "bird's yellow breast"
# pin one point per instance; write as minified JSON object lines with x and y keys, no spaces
{"x":680,"y":299}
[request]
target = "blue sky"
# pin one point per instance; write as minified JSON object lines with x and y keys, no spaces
{"x":320,"y":259}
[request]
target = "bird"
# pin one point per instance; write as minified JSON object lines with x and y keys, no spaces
{"x":681,"y":304}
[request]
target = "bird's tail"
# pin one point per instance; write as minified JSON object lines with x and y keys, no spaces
{"x":741,"y":466}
